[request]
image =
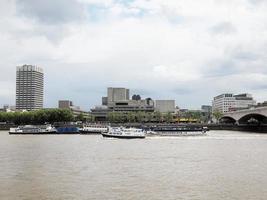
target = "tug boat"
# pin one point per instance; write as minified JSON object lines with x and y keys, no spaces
{"x":125,"y":133}
{"x":31,"y":129}
{"x":93,"y":129}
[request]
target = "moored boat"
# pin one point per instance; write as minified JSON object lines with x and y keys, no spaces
{"x":124,"y":133}
{"x":180,"y":130}
{"x":31,"y":129}
{"x":66,"y":128}
{"x":93,"y":129}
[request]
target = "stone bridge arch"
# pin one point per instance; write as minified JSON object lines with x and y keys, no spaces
{"x":228,"y":120}
{"x":253,"y":118}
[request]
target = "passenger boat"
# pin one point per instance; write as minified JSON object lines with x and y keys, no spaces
{"x":124,"y":133}
{"x":93,"y":129}
{"x":180,"y":130}
{"x":31,"y":129}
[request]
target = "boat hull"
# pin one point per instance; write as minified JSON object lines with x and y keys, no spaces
{"x":90,"y":132}
{"x":179,"y":134}
{"x":33,"y":133}
{"x":122,"y":136}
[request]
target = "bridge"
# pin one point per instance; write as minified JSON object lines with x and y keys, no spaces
{"x":252,"y":115}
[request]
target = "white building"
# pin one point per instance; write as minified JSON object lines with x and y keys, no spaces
{"x":29,"y":87}
{"x":165,"y":106}
{"x":230,"y":102}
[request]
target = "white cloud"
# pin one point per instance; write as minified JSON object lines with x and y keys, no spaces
{"x":171,"y":48}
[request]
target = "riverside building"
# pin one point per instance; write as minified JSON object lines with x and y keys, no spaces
{"x":29,"y":87}
{"x":229,"y":102}
{"x":76,"y":110}
{"x":117,"y":94}
{"x":165,"y":106}
{"x":118,"y":100}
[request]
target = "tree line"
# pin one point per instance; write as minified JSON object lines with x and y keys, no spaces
{"x":37,"y":117}
{"x":65,"y":115}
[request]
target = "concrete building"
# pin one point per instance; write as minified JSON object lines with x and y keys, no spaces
{"x":229,"y":102}
{"x":118,"y":100}
{"x":76,"y":110}
{"x":65,"y":104}
{"x":136,"y":97}
{"x":100,"y":113}
{"x":29,"y":87}
{"x":117,"y":94}
{"x":143,"y":105}
{"x":104,"y":101}
{"x":165,"y":106}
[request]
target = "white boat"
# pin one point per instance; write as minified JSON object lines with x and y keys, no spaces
{"x":31,"y":129}
{"x":93,"y":129}
{"x":125,"y":133}
{"x":178,"y":131}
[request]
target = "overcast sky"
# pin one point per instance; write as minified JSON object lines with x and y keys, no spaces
{"x":185,"y":50}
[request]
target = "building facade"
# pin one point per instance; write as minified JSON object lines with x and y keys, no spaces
{"x":117,"y":94}
{"x":76,"y":110}
{"x":229,"y":102}
{"x":29,"y":87}
{"x":165,"y":106}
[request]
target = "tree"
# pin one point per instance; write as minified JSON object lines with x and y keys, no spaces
{"x":130,"y":117}
{"x":139,"y":116}
{"x":158,"y":116}
{"x":80,"y":117}
{"x":168,"y":117}
{"x":217,"y":115}
{"x":149,"y":117}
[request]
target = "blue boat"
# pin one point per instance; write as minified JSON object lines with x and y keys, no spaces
{"x":67,"y":129}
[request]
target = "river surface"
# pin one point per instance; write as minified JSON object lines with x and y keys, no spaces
{"x":223,"y":165}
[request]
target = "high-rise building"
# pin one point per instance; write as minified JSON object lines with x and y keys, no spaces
{"x":230,"y":102}
{"x":118,"y":94}
{"x":29,"y":87}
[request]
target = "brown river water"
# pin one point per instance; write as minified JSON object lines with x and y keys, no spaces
{"x":223,"y":165}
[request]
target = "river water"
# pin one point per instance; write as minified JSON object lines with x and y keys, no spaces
{"x":223,"y":165}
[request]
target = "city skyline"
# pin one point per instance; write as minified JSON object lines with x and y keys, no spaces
{"x":191,"y":57}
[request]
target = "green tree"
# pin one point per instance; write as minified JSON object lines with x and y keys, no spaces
{"x":130,"y":116}
{"x":140,"y":116}
{"x":168,"y":117}
{"x":217,"y":115}
{"x":80,"y":117}
{"x":158,"y":116}
{"x":149,"y":117}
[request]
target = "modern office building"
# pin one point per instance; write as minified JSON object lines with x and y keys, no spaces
{"x":29,"y":87}
{"x":230,"y":102}
{"x":165,"y":106}
{"x":117,"y":94}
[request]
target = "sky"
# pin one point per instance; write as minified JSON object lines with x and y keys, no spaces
{"x":185,"y":50}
